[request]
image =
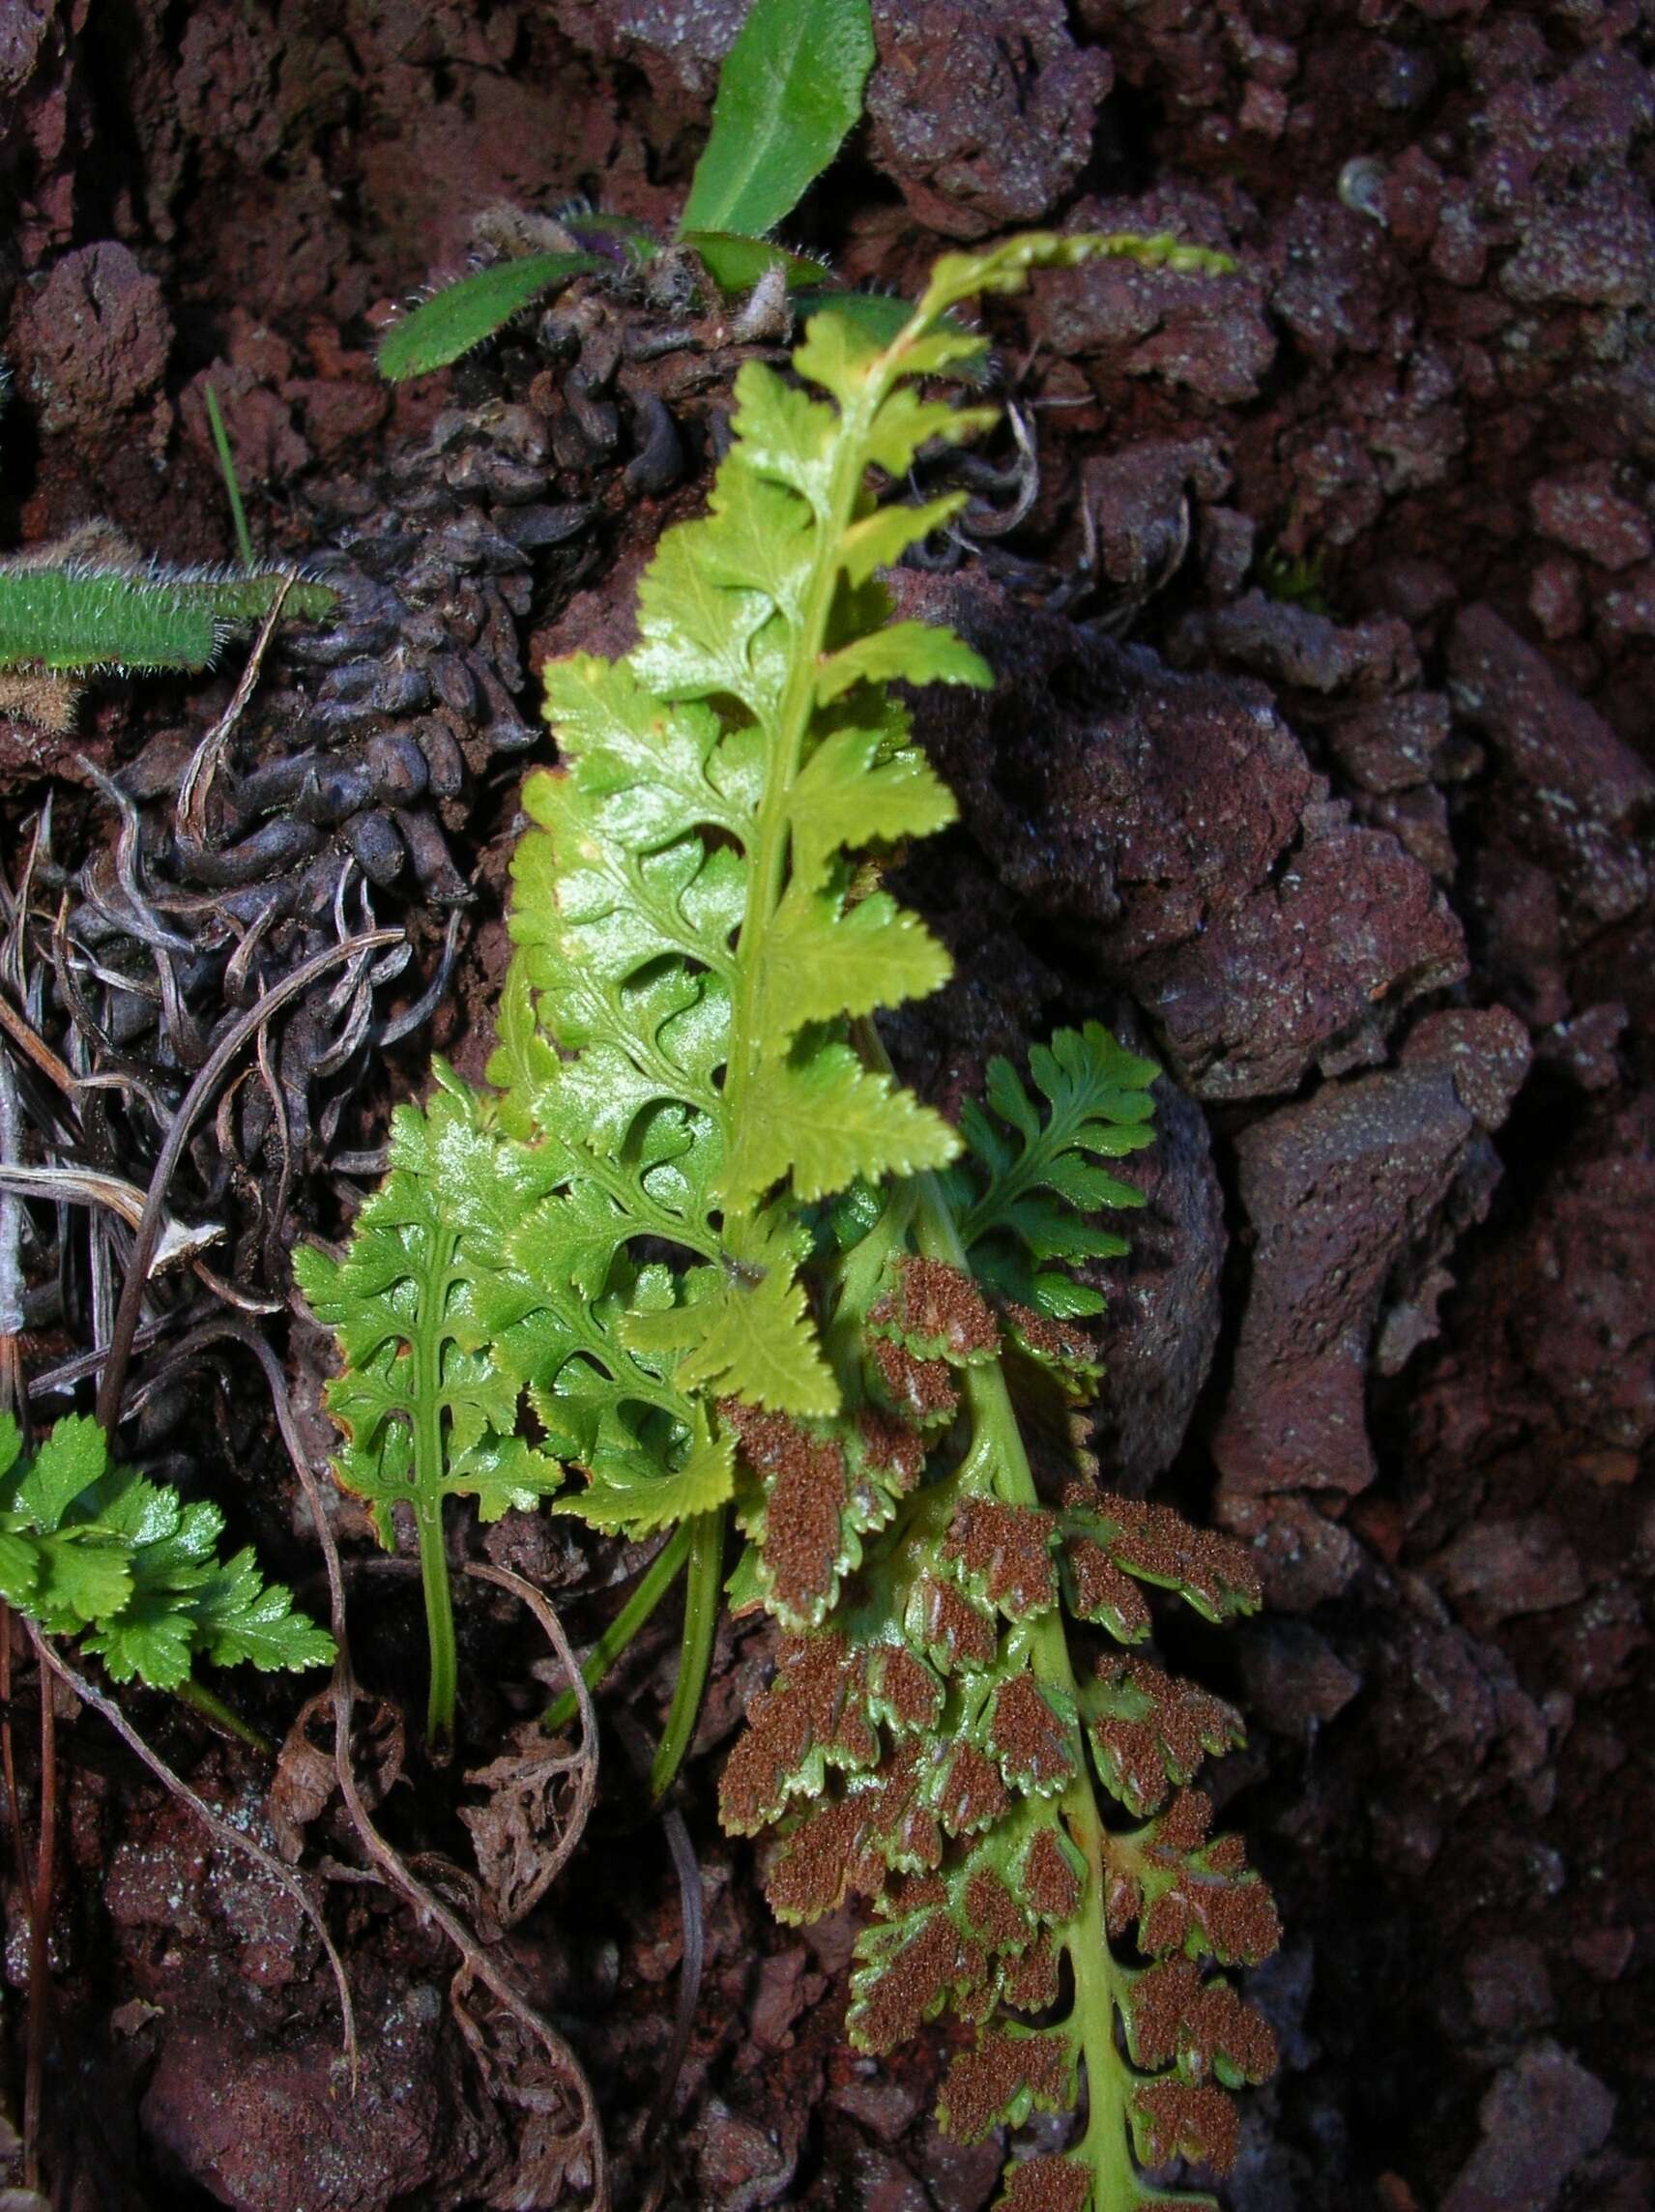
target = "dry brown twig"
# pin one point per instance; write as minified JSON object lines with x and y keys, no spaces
{"x":206,"y":1079}
{"x":475,"y":1964}
{"x":223,"y":1831}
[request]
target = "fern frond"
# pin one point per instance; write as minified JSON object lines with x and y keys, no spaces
{"x":731,"y":1260}
{"x":98,"y":1552}
{"x":1023,"y":1198}
{"x":427,"y":1411}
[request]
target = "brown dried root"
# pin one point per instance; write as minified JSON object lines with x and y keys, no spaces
{"x":510,"y":1834}
{"x":578,"y":2153}
{"x":223,"y":1832}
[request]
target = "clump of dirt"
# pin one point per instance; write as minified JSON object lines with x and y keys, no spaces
{"x":1322,"y":599}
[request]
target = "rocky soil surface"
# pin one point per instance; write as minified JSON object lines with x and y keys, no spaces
{"x":1321,"y":597}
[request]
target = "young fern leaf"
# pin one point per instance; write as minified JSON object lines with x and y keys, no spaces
{"x":96,"y":1550}
{"x":1023,"y":1198}
{"x":427,"y":1411}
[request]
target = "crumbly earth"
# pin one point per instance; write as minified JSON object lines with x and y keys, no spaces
{"x":1320,"y":764}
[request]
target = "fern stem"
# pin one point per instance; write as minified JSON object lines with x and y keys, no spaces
{"x":767,"y":874}
{"x":439,"y":1625}
{"x":428,"y":1498}
{"x":701,"y":1591}
{"x":998,"y":1464}
{"x":652,"y":1586}
{"x":223,"y":1717}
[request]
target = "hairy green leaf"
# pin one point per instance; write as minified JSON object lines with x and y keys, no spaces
{"x":79,"y":617}
{"x":736,"y":262}
{"x":790,"y":89}
{"x":471,"y":309}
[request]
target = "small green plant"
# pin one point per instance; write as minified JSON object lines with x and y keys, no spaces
{"x":789,"y":91}
{"x":737,"y":1271}
{"x":98,"y":1552}
{"x":90,"y":603}
{"x":1299,"y":579}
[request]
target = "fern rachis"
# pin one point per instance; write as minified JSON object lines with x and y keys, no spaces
{"x":733,"y":1266}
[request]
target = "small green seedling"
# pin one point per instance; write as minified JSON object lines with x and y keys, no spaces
{"x":788,"y":93}
{"x":790,"y":89}
{"x":98,"y":1552}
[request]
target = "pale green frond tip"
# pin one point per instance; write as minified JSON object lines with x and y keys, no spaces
{"x":1007,"y":268}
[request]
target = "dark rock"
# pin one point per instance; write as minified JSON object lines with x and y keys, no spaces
{"x":1583,"y":512}
{"x":1295,"y":1681}
{"x":1448,"y":1705}
{"x":786,"y":1987}
{"x":1498,"y":1568}
{"x":1557,"y":599}
{"x":1336,"y":1191}
{"x":983,"y":115}
{"x":1577,"y":784}
{"x":1540,"y":2119}
{"x":94,"y":340}
{"x":1327,"y":284}
{"x":1604,"y":1953}
{"x":1589,"y":1340}
{"x":1628,"y":611}
{"x":1311,"y":968}
{"x":739,"y":2164}
{"x":1392,"y":744}
{"x":882,"y":2185}
{"x":1208,"y":334}
{"x":1143,"y":499}
{"x":265,"y":2128}
{"x":1176,"y":819}
{"x":1158,"y":1336}
{"x":876,"y":2100}
{"x":1303,"y":1556}
{"x":678,"y":42}
{"x":1294,"y":645}
{"x":1595,"y":246}
{"x":964,"y":2177}
{"x":1510,"y":1989}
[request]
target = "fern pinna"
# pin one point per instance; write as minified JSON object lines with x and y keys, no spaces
{"x":737,"y":1268}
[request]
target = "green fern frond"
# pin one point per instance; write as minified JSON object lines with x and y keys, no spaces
{"x":731,"y":1262}
{"x":96,"y":1550}
{"x":1023,"y":1195}
{"x":427,"y":1410}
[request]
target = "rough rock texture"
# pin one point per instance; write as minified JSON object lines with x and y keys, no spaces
{"x":1540,"y":2120}
{"x":93,"y":340}
{"x":985,"y":115}
{"x":1343,"y":1196}
{"x":1176,"y":820}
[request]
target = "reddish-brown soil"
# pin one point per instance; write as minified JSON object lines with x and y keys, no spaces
{"x":1322,"y":765}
